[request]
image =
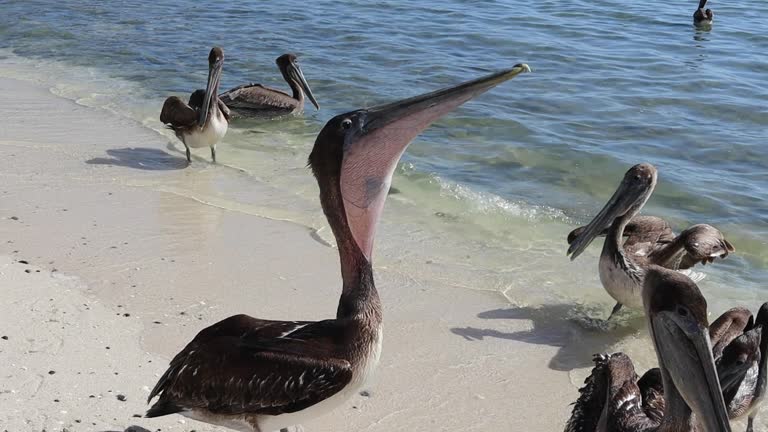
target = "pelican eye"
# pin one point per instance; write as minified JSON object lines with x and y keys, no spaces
{"x":682,"y":311}
{"x":346,"y":124}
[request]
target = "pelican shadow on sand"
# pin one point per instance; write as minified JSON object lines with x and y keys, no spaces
{"x":558,"y":325}
{"x":143,"y":158}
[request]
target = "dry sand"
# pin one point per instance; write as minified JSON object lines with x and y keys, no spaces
{"x":107,"y":270}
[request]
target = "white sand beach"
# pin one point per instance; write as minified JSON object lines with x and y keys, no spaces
{"x":107,"y":272}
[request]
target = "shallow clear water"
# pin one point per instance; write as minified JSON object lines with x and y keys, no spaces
{"x":503,"y":179}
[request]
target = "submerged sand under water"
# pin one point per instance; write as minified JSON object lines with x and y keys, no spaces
{"x":129,"y":253}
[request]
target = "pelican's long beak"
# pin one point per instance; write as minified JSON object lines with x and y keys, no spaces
{"x":372,"y":151}
{"x":620,"y":203}
{"x":295,"y":72}
{"x":211,"y":90}
{"x":686,"y":354}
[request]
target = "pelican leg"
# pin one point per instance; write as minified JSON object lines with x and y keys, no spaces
{"x":213,"y":153}
{"x":615,"y":309}
{"x":189,"y":155}
{"x":749,"y":423}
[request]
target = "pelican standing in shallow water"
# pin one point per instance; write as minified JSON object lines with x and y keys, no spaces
{"x":649,"y":240}
{"x":203,"y":121}
{"x":703,"y":17}
{"x":682,"y":394}
{"x":740,"y":347}
{"x":253,"y":375}
{"x":257,"y":101}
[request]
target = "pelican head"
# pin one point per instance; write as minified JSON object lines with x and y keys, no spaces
{"x":355,"y":154}
{"x":215,"y":62}
{"x":634,"y":190}
{"x":289,"y":67}
{"x":677,"y":322}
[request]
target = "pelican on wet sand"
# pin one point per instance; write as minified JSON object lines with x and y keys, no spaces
{"x":703,"y":17}
{"x":740,"y":345}
{"x":649,"y":240}
{"x":203,"y":121}
{"x":684,"y":394}
{"x":253,"y":375}
{"x":257,"y":101}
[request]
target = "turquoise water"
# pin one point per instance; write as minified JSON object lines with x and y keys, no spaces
{"x":615,"y":83}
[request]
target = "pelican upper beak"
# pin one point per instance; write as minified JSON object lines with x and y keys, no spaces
{"x":295,"y":72}
{"x":686,"y":354}
{"x":381,"y":135}
{"x":211,"y":90}
{"x":621,"y":202}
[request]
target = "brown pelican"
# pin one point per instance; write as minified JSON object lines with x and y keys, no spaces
{"x":649,"y":240}
{"x":256,"y":100}
{"x":252,"y":374}
{"x":613,"y":399}
{"x":743,"y":363}
{"x":703,"y":17}
{"x":203,"y":121}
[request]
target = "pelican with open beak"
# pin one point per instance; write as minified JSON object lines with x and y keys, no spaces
{"x":203,"y":121}
{"x":259,"y":375}
{"x":258,"y":101}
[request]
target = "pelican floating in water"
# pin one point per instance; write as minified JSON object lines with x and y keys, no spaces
{"x":203,"y":121}
{"x":258,"y":101}
{"x":650,"y":240}
{"x":260,"y":375}
{"x":703,"y":17}
{"x":740,"y":348}
{"x":613,"y":399}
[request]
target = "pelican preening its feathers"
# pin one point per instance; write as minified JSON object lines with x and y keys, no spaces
{"x":703,"y":17}
{"x":685,"y":391}
{"x":257,"y":101}
{"x":649,"y":240}
{"x":203,"y":121}
{"x":740,"y":348}
{"x":260,"y":375}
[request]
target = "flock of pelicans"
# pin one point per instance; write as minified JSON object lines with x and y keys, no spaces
{"x":258,"y":375}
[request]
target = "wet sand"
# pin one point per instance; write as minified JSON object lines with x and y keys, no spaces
{"x":108,"y":271}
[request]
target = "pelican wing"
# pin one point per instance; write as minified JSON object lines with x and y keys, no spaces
{"x":177,"y":114}
{"x":640,"y":229}
{"x":652,"y":391}
{"x":610,"y":398}
{"x":256,"y":97}
{"x":245,"y":365}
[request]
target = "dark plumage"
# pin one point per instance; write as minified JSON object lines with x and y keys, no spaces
{"x":743,"y":363}
{"x":703,"y":17}
{"x":258,"y":101}
{"x":666,"y":398}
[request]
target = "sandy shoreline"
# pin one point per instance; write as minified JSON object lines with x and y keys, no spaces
{"x":141,"y":270}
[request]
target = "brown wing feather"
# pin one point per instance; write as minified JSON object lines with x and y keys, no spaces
{"x":652,"y":390}
{"x":256,"y":98}
{"x":610,"y":389}
{"x":177,"y":114}
{"x":246,"y":365}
